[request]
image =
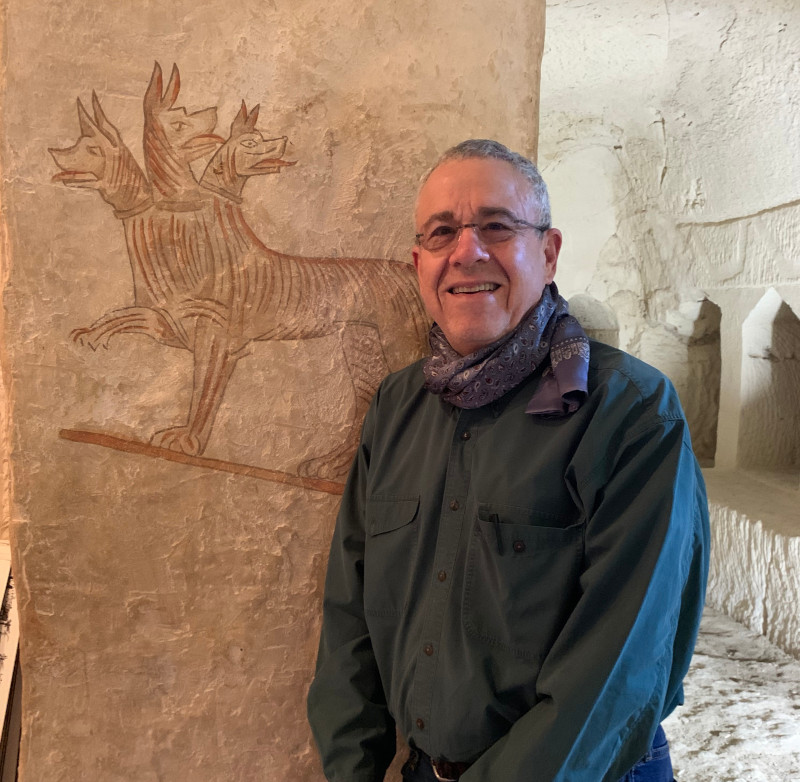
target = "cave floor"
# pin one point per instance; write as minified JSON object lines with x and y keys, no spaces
{"x":741,"y":721}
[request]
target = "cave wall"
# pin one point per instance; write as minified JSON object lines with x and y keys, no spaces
{"x":668,"y":137}
{"x":182,"y":404}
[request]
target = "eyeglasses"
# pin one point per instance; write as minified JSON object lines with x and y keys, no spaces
{"x":442,"y":236}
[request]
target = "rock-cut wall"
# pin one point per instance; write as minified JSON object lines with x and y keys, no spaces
{"x":208,"y":216}
{"x":669,"y":138}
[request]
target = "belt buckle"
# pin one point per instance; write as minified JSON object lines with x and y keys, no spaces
{"x":439,"y":776}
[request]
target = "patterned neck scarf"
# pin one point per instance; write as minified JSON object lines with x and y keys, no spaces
{"x":546,"y":331}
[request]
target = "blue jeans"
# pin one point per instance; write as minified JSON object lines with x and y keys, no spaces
{"x":655,"y":766}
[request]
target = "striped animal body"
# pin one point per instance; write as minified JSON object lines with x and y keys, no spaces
{"x":204,"y":282}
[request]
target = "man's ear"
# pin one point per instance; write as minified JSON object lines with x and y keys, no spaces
{"x":552,"y":247}
{"x":415,"y":256}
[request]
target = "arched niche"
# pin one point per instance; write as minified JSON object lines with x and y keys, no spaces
{"x":769,"y":429}
{"x":596,"y":317}
{"x":701,"y":397}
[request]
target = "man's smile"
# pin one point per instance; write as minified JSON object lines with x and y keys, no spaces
{"x":474,"y":288}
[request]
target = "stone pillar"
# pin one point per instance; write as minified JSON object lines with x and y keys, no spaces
{"x":186,"y":379}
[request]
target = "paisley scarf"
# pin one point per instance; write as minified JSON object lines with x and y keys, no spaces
{"x":547,"y":331}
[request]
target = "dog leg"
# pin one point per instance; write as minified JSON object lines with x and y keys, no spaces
{"x":363,"y":353}
{"x":214,"y":362}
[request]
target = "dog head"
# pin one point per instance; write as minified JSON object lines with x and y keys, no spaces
{"x":88,"y":162}
{"x":188,"y":135}
{"x":252,"y":153}
{"x":99,"y":160}
{"x":246,"y":153}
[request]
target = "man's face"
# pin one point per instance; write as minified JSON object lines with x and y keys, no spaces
{"x":478,"y":293}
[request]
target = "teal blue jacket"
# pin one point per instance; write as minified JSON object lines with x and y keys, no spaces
{"x":516,"y":591}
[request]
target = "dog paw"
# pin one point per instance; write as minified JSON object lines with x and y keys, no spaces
{"x":80,"y":336}
{"x":84,"y":337}
{"x":178,"y":438}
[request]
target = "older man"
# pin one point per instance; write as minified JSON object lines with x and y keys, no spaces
{"x":519,"y":563}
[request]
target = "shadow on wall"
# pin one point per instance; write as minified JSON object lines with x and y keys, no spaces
{"x":596,"y":317}
{"x":699,"y":388}
{"x":769,"y":431}
{"x":704,"y":358}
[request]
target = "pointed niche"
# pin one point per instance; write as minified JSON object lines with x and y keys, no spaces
{"x":769,"y":430}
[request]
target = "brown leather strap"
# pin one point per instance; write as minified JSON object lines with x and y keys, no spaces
{"x":443,"y":770}
{"x":446,"y":771}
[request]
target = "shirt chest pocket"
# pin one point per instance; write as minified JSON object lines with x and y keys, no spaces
{"x":522,"y":579}
{"x":391,"y":542}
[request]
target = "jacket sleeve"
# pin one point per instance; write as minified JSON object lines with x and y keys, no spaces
{"x":616,"y":667}
{"x":347,"y":707}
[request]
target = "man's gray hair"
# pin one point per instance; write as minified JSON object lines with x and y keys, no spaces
{"x":488,"y":149}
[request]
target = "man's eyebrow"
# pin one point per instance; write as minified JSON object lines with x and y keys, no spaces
{"x":493,"y":211}
{"x":483,"y":212}
{"x":439,"y":217}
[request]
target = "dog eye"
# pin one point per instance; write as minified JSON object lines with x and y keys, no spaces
{"x":179,"y":126}
{"x":249,"y":143}
{"x":96,"y":151}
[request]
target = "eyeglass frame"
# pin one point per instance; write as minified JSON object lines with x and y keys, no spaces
{"x":517,"y":221}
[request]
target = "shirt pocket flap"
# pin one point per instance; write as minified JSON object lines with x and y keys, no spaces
{"x":525,"y":531}
{"x":523,"y":540}
{"x":385,"y":514}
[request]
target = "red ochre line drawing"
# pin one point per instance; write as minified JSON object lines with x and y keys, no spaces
{"x":250,"y":471}
{"x":204,"y":282}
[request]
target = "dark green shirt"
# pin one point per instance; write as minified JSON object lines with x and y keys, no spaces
{"x":512,"y":590}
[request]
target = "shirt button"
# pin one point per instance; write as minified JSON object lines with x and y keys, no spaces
{"x":421,"y":724}
{"x":428,"y":649}
{"x":442,"y":575}
{"x":453,"y":504}
{"x":465,"y":435}
{"x":519,"y":546}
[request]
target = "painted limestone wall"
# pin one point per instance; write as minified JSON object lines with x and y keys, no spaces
{"x":670,"y":139}
{"x":183,"y":403}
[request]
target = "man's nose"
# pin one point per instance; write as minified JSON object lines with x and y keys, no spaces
{"x":468,"y":248}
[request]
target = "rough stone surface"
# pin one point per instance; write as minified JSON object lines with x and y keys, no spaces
{"x":741,"y":720}
{"x":663,"y":138}
{"x":170,"y":589}
{"x":169,"y":611}
{"x":755,"y":564}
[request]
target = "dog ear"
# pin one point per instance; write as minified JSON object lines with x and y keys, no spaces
{"x":102,"y":123}
{"x":252,"y":118}
{"x":88,"y":128}
{"x":239,"y":124}
{"x":152,"y":98}
{"x":173,"y":88}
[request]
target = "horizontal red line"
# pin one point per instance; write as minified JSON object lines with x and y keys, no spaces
{"x":250,"y":471}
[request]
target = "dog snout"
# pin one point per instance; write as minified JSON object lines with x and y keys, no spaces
{"x":277,"y":146}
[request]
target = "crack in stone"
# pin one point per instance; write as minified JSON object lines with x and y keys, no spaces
{"x":740,"y":218}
